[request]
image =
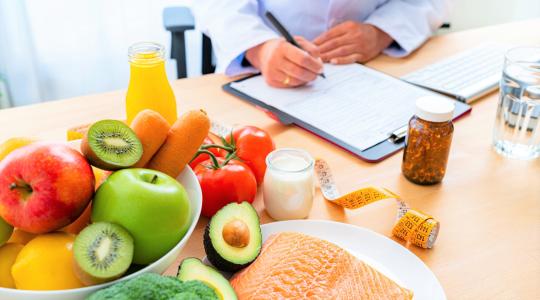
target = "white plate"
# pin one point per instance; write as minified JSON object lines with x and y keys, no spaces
{"x":387,"y":256}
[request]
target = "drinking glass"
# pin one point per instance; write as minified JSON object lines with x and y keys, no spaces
{"x":517,"y":128}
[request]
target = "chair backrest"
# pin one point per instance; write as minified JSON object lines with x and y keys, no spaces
{"x":208,"y":65}
{"x":178,"y":20}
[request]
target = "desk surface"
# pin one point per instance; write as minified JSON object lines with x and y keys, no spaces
{"x":488,"y":206}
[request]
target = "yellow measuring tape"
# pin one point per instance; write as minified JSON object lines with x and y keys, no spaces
{"x":412,"y":226}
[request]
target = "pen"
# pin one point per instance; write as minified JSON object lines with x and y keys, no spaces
{"x":284,"y":33}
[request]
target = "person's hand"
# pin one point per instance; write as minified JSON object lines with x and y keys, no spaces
{"x":284,"y":65}
{"x":351,"y":42}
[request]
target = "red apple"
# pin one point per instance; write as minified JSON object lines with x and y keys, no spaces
{"x":44,"y":187}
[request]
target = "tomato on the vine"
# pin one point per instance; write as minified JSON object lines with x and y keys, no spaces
{"x":200,"y":157}
{"x":224,"y":181}
{"x":251,"y":145}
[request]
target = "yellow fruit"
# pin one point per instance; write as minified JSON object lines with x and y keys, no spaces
{"x":8,"y":254}
{"x":12,"y":144}
{"x":100,"y":175}
{"x":21,"y":237}
{"x":46,"y":263}
{"x":78,"y":132}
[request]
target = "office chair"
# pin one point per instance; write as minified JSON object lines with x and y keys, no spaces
{"x":178,"y":20}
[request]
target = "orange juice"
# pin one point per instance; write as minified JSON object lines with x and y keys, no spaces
{"x":148,"y":85}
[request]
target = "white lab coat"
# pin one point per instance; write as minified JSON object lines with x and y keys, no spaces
{"x":238,"y":25}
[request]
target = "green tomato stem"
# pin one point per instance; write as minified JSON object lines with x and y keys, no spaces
{"x":208,"y":146}
{"x":215,"y":162}
{"x":229,"y":157}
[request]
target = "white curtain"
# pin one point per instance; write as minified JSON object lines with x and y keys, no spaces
{"x":18,"y":69}
{"x":53,"y":49}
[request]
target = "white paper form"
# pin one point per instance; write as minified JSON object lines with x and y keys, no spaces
{"x":355,"y":104}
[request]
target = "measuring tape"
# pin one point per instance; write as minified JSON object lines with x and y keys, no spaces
{"x":412,"y":226}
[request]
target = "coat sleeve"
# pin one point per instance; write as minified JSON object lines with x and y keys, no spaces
{"x":409,"y":22}
{"x":234,"y":27}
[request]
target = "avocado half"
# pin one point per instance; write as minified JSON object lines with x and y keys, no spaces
{"x":232,"y":239}
{"x":194,"y":269}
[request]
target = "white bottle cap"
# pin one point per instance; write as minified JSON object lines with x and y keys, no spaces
{"x":434,"y":109}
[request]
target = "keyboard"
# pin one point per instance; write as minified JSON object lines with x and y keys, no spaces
{"x":465,"y":76}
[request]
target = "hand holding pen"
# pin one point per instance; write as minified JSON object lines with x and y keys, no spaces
{"x":285,"y":65}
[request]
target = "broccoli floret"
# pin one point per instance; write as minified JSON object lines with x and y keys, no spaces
{"x":186,"y":296}
{"x":196,"y":290}
{"x":147,"y":286}
{"x":154,"y":287}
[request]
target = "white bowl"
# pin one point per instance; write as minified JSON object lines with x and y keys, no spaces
{"x":188,"y":179}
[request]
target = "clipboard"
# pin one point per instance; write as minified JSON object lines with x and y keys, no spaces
{"x":375,"y":153}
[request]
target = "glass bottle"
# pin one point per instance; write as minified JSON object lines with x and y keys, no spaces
{"x":148,"y":84}
{"x":428,"y":141}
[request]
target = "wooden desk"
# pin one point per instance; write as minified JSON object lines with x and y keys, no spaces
{"x":489,"y":206}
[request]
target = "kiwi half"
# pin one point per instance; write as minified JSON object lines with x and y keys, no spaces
{"x":111,"y":145}
{"x":102,"y":252}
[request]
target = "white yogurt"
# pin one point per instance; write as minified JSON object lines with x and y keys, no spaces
{"x":288,"y":184}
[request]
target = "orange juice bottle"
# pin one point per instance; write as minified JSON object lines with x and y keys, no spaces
{"x":148,"y":84}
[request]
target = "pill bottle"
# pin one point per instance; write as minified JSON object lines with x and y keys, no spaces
{"x":428,"y":140}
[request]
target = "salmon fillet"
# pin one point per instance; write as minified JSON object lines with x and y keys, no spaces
{"x":297,"y":266}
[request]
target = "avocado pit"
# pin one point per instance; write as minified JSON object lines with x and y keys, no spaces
{"x":236,"y":233}
{"x":232,"y":238}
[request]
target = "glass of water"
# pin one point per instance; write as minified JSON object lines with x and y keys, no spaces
{"x":517,"y":124}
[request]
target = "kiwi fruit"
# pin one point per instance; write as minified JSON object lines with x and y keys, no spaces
{"x":102,"y":252}
{"x":111,"y":145}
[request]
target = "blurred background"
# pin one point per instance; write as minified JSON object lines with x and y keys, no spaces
{"x":55,"y":49}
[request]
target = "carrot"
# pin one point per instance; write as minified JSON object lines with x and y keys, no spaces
{"x":151,"y":129}
{"x":184,"y":139}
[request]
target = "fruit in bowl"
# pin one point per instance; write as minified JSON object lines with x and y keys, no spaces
{"x":103,"y":252}
{"x":139,"y":216}
{"x":189,"y":181}
{"x":44,"y":177}
{"x":5,"y":231}
{"x":8,"y":253}
{"x":111,"y":145}
{"x":46,"y":263}
{"x":13,"y":143}
{"x":152,"y":206}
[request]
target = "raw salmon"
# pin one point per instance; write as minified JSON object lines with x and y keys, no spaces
{"x":297,"y":266}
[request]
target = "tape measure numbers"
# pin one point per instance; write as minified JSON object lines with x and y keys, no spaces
{"x":412,"y":226}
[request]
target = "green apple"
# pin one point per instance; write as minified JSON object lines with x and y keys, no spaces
{"x":5,"y":231}
{"x":151,"y":205}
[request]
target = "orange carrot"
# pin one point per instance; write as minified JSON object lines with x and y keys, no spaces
{"x":184,"y":139}
{"x":151,"y":129}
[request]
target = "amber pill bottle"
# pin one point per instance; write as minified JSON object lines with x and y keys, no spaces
{"x":428,"y":141}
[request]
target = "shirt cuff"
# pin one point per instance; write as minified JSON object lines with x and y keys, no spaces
{"x":234,"y":65}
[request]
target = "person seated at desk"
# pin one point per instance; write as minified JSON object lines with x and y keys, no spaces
{"x":331,"y":31}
